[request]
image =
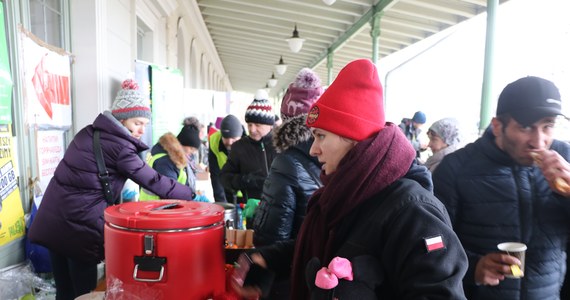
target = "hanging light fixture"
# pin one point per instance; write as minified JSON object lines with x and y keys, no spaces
{"x":329,"y":2}
{"x":272,"y":81}
{"x":281,"y":67}
{"x":267,"y":88}
{"x":295,"y":42}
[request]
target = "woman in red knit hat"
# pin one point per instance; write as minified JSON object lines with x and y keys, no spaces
{"x":374,"y":230}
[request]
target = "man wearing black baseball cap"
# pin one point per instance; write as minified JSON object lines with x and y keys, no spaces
{"x":530,"y":99}
{"x":508,"y":186}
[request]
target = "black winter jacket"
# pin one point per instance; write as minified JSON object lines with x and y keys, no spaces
{"x":491,"y":199}
{"x":292,"y":179}
{"x":248,"y":166}
{"x":380,"y":239}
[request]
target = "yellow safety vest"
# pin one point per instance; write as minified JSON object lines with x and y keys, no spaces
{"x":221,"y":157}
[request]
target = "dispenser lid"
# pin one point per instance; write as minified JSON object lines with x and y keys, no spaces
{"x":164,"y":214}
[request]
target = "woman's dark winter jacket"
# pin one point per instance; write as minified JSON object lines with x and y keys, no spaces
{"x":491,"y":199}
{"x":382,"y":219}
{"x":381,"y":238}
{"x":70,"y":218}
{"x":293,"y":177}
{"x":248,"y":166}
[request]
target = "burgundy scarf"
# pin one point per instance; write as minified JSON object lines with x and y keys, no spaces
{"x":371,"y":166}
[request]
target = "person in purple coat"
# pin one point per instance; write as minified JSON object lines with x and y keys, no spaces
{"x":70,"y":220}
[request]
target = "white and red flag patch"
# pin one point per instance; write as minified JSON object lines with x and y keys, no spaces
{"x":434,"y":243}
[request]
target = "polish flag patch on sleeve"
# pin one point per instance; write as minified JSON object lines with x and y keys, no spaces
{"x":434,"y":243}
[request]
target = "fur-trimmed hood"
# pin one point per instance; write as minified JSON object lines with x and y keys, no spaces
{"x":170,"y":144}
{"x":291,"y":133}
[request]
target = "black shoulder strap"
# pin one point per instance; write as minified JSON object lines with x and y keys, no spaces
{"x":103,"y":174}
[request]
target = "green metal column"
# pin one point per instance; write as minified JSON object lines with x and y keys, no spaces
{"x":330,"y":55}
{"x":375,"y":34}
{"x":486,"y":109}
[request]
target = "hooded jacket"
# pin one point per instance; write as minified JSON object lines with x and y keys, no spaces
{"x":491,"y":199}
{"x":172,"y":163}
{"x":293,"y":178}
{"x":70,"y":218}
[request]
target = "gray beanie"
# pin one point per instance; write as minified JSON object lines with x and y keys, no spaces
{"x":130,"y":103}
{"x":231,"y":127}
{"x":448,"y":130}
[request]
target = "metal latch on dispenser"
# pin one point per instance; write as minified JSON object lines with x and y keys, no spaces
{"x":149,"y":262}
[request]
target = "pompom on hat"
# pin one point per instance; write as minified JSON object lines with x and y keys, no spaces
{"x":301,"y":94}
{"x":130,"y":103}
{"x":352,"y":106}
{"x":260,"y":110}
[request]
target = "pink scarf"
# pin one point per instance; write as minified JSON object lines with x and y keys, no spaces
{"x":371,"y":166}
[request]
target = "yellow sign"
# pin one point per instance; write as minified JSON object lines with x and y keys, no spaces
{"x":12,"y":223}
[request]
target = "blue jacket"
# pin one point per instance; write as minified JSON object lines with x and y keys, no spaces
{"x":491,"y":199}
{"x":70,"y":218}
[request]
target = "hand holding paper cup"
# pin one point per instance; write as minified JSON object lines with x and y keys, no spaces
{"x":517,"y":250}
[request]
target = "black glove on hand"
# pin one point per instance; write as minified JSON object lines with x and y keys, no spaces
{"x":252,"y":181}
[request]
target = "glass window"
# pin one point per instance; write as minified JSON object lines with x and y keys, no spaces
{"x":46,"y":18}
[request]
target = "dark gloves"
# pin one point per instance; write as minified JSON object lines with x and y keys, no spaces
{"x":252,"y":181}
{"x":249,"y":273}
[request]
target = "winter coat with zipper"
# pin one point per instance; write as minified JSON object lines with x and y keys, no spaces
{"x":70,"y":218}
{"x":491,"y":199}
{"x":248,"y":165}
{"x":292,"y":179}
{"x":380,"y":238}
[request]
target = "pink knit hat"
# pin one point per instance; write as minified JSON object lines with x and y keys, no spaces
{"x":301,"y":94}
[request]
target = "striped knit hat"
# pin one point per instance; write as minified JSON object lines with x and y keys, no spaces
{"x":260,"y":110}
{"x":130,"y":103}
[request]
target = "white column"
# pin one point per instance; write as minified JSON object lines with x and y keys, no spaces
{"x":90,"y":70}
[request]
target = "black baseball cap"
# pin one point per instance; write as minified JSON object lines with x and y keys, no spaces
{"x":530,"y":99}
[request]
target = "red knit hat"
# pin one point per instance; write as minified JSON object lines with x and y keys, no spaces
{"x":352,"y":106}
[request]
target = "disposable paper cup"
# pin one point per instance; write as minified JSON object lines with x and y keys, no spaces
{"x":517,"y":250}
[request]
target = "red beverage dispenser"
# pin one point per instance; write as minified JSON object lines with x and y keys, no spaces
{"x":166,"y":249}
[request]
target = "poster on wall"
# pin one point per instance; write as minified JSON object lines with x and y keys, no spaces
{"x":5,"y":75}
{"x":46,"y":82}
{"x":50,"y":152}
{"x":12,"y":224}
{"x":167,"y":94}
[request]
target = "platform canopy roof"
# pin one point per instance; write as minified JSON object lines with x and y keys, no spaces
{"x":250,"y":35}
